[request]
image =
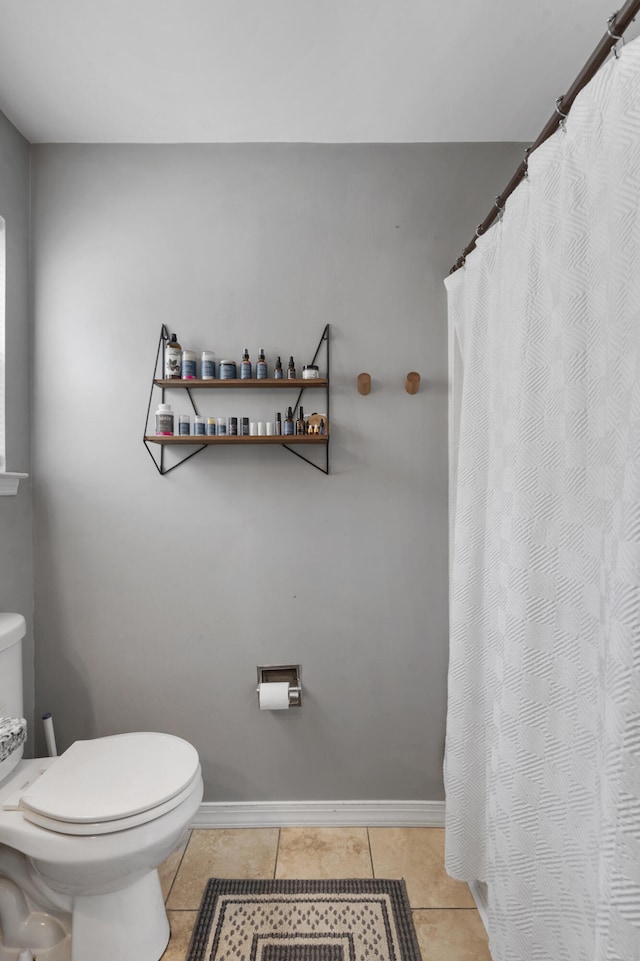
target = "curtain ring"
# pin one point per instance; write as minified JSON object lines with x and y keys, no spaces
{"x":563,"y":116}
{"x":479,"y":230}
{"x":558,"y":110}
{"x":610,"y":22}
{"x":500,"y":208}
{"x":525,"y":160}
{"x":613,"y":36}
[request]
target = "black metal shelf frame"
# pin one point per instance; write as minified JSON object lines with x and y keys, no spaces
{"x":158,"y":457}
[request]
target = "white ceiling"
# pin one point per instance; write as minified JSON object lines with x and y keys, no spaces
{"x":290,"y":70}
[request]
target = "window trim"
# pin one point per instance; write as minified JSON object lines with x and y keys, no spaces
{"x":9,"y":481}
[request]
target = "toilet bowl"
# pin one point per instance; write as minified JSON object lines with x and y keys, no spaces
{"x":82,"y":836}
{"x":93,"y":826}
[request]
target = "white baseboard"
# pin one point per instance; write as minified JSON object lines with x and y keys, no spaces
{"x":479,"y":893}
{"x":262,"y":814}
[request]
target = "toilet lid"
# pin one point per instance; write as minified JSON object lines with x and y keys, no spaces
{"x":113,"y":778}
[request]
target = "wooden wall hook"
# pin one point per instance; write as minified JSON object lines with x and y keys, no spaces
{"x":412,"y":383}
{"x":364,"y":384}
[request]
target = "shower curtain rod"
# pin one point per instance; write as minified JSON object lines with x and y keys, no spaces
{"x":616,"y":26}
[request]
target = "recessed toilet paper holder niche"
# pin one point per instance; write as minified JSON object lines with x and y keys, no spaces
{"x":290,"y":674}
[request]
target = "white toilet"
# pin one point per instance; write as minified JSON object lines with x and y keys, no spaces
{"x":82,"y":835}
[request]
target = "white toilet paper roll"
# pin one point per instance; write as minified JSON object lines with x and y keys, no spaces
{"x":274,"y":696}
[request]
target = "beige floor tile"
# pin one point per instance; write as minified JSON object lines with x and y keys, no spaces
{"x":236,"y":853}
{"x":318,"y":853}
{"x":453,"y":935}
{"x":182,"y":923}
{"x":417,"y":855}
{"x":168,"y":868}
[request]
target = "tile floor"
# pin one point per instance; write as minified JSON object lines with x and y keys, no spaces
{"x":446,"y":920}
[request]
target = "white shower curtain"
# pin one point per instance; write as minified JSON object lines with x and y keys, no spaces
{"x":542,"y":766}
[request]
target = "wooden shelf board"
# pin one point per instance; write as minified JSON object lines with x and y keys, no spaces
{"x":194,"y":441}
{"x":253,"y":383}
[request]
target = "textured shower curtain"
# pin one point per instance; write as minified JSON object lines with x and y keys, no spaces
{"x":542,"y":766}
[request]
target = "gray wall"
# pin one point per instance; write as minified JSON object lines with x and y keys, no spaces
{"x":16,"y":563}
{"x":157,"y":597}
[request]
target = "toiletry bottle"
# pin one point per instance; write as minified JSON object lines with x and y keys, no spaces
{"x":173,"y":359}
{"x":164,"y":420}
{"x":188,"y":364}
{"x":208,"y":365}
{"x":301,"y":427}
{"x":245,"y":366}
{"x":199,"y":425}
{"x":289,"y":425}
{"x":291,"y":370}
{"x":261,"y":366}
{"x":278,"y":423}
{"x":321,"y":430}
{"x":277,"y":370}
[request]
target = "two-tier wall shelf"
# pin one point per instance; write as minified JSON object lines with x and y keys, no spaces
{"x":303,"y":441}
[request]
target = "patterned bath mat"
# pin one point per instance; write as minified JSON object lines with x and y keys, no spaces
{"x":304,"y":921}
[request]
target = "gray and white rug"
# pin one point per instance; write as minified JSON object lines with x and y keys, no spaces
{"x":349,"y":920}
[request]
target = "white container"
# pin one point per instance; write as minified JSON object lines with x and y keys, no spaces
{"x":164,"y":420}
{"x":199,"y":425}
{"x":184,"y":424}
{"x":208,"y":365}
{"x":188,"y":365}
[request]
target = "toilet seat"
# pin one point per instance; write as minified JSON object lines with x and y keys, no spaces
{"x":112,"y":783}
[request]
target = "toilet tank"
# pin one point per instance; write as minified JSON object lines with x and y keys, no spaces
{"x":12,"y":630}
